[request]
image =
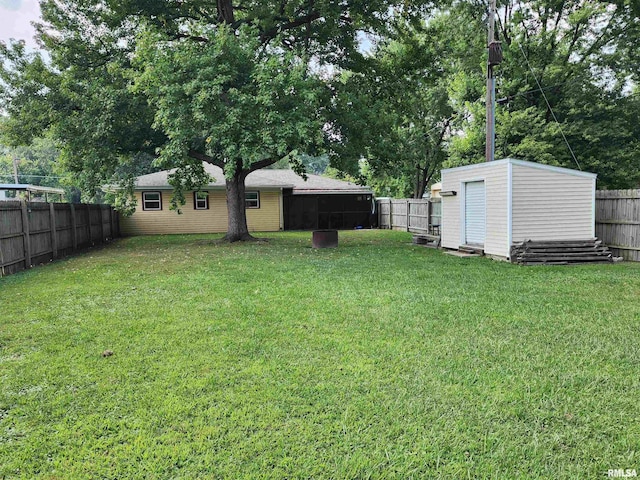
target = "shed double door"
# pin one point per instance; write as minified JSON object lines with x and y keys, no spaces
{"x":474,"y":213}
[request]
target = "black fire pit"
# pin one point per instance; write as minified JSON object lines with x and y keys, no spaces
{"x":324,"y":239}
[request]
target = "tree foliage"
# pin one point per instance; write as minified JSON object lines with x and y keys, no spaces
{"x":242,"y":86}
{"x":36,"y":163}
{"x":219,"y":82}
{"x":231,"y":102}
{"x":569,"y":72}
{"x":425,"y":75}
{"x":400,"y":108}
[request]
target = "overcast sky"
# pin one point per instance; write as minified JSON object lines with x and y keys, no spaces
{"x":15,"y":20}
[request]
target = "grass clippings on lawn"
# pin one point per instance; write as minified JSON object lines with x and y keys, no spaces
{"x":165,"y":357}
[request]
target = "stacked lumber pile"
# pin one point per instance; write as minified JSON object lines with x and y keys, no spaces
{"x":563,"y":252}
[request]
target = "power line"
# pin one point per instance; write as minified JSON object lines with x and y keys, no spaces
{"x":549,"y":106}
{"x":30,"y":176}
{"x":535,"y":90}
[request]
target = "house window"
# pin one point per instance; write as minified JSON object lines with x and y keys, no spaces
{"x":252,"y":199}
{"x":201,"y":200}
{"x":151,"y":201}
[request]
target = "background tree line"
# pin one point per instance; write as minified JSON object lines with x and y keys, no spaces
{"x":567,"y":88}
{"x":387,"y":92}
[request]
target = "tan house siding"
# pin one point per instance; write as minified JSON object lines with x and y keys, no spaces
{"x":551,"y":205}
{"x":214,"y":220}
{"x":495,"y":176}
{"x":267,"y":217}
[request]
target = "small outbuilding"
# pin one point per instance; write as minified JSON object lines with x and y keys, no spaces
{"x":494,"y":205}
{"x":31,"y":193}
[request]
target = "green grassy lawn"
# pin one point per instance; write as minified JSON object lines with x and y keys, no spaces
{"x":378,"y":359}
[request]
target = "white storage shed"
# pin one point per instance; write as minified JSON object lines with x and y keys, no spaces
{"x":493,"y":205}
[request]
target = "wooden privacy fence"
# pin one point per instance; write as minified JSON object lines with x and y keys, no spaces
{"x":618,"y":222}
{"x":411,"y":214}
{"x":34,"y":232}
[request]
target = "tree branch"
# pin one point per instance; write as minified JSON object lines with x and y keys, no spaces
{"x":205,"y":158}
{"x":196,"y":38}
{"x":273,"y":32}
{"x":261,"y":164}
{"x":600,"y":40}
{"x":574,"y":39}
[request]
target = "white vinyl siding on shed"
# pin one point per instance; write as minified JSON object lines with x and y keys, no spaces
{"x":495,"y":178}
{"x":524,"y":201}
{"x":550,"y":205}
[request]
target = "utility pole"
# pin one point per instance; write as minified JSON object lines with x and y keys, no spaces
{"x":494,"y":58}
{"x":15,"y":169}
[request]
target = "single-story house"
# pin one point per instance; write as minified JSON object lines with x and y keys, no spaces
{"x":275,"y":200}
{"x":492,"y":206}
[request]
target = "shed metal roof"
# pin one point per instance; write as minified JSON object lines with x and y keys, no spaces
{"x":30,"y":188}
{"x":524,"y":163}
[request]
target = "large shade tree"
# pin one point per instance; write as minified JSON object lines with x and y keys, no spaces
{"x":234,"y":84}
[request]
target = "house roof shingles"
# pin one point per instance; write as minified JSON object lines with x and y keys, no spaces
{"x":265,"y":178}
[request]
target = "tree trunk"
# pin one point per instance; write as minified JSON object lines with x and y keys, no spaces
{"x":237,"y":229}
{"x":421,"y":181}
{"x":225,"y":11}
{"x":424,"y":177}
